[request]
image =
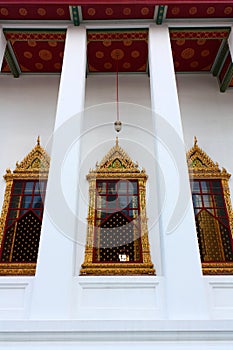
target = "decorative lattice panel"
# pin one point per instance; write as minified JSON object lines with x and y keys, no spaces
{"x":23,"y":239}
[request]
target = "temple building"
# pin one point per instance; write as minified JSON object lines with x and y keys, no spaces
{"x":116,"y":188}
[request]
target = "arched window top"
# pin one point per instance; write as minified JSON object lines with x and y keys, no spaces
{"x":22,"y":213}
{"x":213,"y":211}
{"x":117,"y":234}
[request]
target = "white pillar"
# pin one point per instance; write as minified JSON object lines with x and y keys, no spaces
{"x":181,"y":267}
{"x":52,"y":291}
{"x":230,"y":42}
{"x":2,"y":46}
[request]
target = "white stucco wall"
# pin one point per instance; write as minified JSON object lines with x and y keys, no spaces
{"x":28,"y":106}
{"x":98,"y":136}
{"x":207,"y":114}
{"x":27,"y":109}
{"x":136,"y":137}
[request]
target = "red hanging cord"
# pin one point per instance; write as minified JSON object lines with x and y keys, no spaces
{"x":117,"y":124}
{"x":117,"y":95}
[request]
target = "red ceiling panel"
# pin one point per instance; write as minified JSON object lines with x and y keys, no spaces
{"x":214,"y":10}
{"x":37,"y":51}
{"x":5,"y":68}
{"x":74,"y":2}
{"x":111,"y":12}
{"x":34,"y":12}
{"x":196,"y":50}
{"x":231,"y":83}
{"x":92,"y":10}
{"x":126,"y":51}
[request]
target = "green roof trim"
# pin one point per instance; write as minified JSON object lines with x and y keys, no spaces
{"x":160,"y":15}
{"x":12,"y":61}
{"x":220,"y":58}
{"x":227,"y":78}
{"x":75,"y":14}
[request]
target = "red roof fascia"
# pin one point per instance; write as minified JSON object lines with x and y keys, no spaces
{"x":89,"y":2}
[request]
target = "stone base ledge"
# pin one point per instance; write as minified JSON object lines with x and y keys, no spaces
{"x":117,"y":331}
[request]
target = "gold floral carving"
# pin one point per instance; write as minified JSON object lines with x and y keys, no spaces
{"x":35,"y":166}
{"x":201,"y":166}
{"x":17,"y":269}
{"x":219,"y":268}
{"x":117,"y":165}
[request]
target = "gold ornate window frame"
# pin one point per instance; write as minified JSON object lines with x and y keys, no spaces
{"x":35,"y":166}
{"x":117,"y":165}
{"x":201,"y":166}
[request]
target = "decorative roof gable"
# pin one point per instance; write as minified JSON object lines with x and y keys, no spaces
{"x":201,"y":165}
{"x":197,"y":158}
{"x":116,"y":161}
{"x":37,"y":160}
{"x":34,"y":164}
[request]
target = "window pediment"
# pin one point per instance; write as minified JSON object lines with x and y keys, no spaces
{"x":116,"y":160}
{"x":201,"y":165}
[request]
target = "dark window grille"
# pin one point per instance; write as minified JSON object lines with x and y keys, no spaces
{"x":23,"y":223}
{"x":212,"y":221}
{"x":117,"y":221}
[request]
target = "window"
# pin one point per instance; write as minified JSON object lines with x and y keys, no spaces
{"x":117,"y":234}
{"x":117,"y":230}
{"x":22,"y":214}
{"x":213,"y":230}
{"x":213,"y":213}
{"x":22,"y":229}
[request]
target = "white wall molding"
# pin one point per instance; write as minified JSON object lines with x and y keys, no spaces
{"x":15,"y":294}
{"x":165,"y":332}
{"x":123,"y":24}
{"x":220,"y":296}
{"x":120,"y":298}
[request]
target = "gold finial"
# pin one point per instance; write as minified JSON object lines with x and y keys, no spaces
{"x":224,"y":171}
{"x":117,"y":144}
{"x":195,"y":141}
{"x":38,"y":141}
